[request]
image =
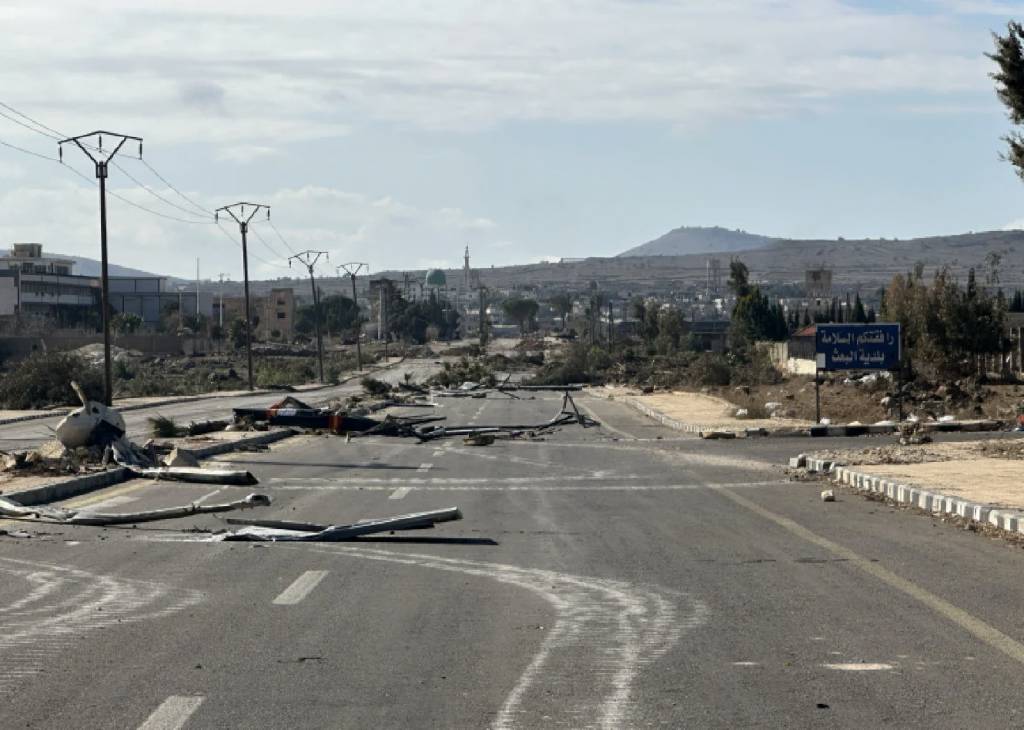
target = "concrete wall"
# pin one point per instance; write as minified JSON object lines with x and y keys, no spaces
{"x":18,"y":347}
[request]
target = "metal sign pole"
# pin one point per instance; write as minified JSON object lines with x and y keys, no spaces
{"x":817,"y":395}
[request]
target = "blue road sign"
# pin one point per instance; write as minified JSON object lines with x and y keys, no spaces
{"x":858,"y":346}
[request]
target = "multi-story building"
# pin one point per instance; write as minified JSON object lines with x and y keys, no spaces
{"x":274,"y":313}
{"x":45,"y":288}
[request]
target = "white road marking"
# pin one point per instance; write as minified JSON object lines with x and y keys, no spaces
{"x":172,"y":713}
{"x":205,"y":497}
{"x":64,"y":605}
{"x":425,"y":466}
{"x":399,"y":493}
{"x":301,"y":588}
{"x":593,"y":476}
{"x":112,"y":502}
{"x":746,"y":664}
{"x":969,"y":623}
{"x":443,"y":486}
{"x":859,"y":667}
{"x":604,"y":633}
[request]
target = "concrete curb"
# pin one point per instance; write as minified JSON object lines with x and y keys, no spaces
{"x":717,"y":432}
{"x":929,"y":500}
{"x":206,"y":396}
{"x":74,"y":486}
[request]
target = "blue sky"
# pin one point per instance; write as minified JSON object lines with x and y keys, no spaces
{"x":397,"y":132}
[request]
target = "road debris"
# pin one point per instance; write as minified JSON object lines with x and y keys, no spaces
{"x":183,"y":467}
{"x":828,"y":496}
{"x":568,"y":413}
{"x":281,"y":531}
{"x":92,"y":424}
{"x":11,"y":508}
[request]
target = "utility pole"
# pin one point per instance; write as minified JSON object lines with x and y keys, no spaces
{"x":353,"y":269}
{"x":309,"y":259}
{"x":482,"y":327}
{"x":101,"y":160}
{"x":611,"y":321}
{"x":243,"y":226}
{"x":220,"y":320}
{"x":382,"y":317}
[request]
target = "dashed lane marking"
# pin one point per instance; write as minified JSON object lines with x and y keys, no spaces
{"x":592,"y":476}
{"x":399,"y":493}
{"x":969,"y":623}
{"x":172,"y":713}
{"x":424,"y":467}
{"x":442,"y":486}
{"x":301,"y":588}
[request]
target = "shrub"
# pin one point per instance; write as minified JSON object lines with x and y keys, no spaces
{"x":375,"y":387}
{"x":44,"y":379}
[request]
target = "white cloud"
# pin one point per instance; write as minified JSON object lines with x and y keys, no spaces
{"x":351,"y":226}
{"x":245,"y":153}
{"x":220,"y":70}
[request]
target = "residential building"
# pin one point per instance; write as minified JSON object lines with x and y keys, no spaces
{"x":274,"y":314}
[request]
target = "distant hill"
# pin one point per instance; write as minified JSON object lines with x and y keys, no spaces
{"x":690,"y":239}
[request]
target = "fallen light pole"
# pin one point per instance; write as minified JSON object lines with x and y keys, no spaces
{"x":11,"y":508}
{"x":101,"y":162}
{"x":277,"y":531}
{"x":243,"y":226}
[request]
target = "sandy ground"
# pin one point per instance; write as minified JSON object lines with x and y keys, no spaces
{"x":703,"y":410}
{"x":999,"y":482}
{"x":990,"y":471}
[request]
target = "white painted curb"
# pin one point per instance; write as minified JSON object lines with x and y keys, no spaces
{"x":925,"y":499}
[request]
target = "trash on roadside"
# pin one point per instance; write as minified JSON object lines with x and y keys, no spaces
{"x":293,"y":412}
{"x":11,"y":508}
{"x":281,"y":531}
{"x":92,"y":424}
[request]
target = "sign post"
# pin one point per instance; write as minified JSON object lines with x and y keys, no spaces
{"x":854,"y":347}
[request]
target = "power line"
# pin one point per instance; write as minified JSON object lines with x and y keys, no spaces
{"x":168,"y":184}
{"x":36,"y":122}
{"x":28,"y":152}
{"x":267,"y":245}
{"x":28,"y":127}
{"x":155,"y":194}
{"x":54,"y":134}
{"x":287,"y":245}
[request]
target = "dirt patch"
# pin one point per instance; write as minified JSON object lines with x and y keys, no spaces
{"x":991,"y":481}
{"x":1012,"y":449}
{"x":702,"y":409}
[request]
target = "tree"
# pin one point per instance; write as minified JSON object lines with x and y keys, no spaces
{"x":125,"y":323}
{"x":859,"y":314}
{"x":754,"y":317}
{"x":522,"y":311}
{"x":338,"y":314}
{"x":562,"y":304}
{"x":236,"y":332}
{"x":1009,"y":78}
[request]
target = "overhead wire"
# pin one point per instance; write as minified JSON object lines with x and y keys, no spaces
{"x":283,"y":240}
{"x":51,"y":133}
{"x":266,"y":245}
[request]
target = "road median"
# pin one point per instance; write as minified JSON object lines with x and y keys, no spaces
{"x":977,"y":481}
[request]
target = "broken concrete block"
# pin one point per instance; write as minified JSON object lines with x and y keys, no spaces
{"x":828,"y":496}
{"x":798,"y":462}
{"x":181,"y":457}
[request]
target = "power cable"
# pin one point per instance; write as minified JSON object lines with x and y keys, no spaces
{"x":285,"y":242}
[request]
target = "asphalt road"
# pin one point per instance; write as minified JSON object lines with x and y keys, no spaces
{"x":622,"y":576}
{"x":29,"y":434}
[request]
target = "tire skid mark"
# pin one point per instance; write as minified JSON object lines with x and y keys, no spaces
{"x":36,"y":628}
{"x":605,"y":632}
